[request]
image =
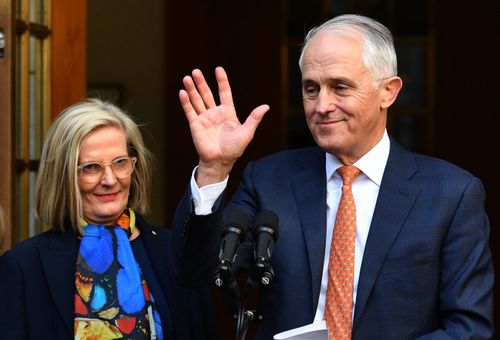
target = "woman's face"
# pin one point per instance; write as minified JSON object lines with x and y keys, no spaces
{"x":105,"y":200}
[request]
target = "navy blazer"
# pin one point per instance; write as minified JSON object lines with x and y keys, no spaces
{"x":37,"y":285}
{"x":426,"y":272}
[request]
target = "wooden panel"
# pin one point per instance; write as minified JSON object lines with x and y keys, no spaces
{"x":218,"y":33}
{"x":6,"y":109}
{"x":223,"y":34}
{"x":467,"y":111}
{"x":69,"y":53}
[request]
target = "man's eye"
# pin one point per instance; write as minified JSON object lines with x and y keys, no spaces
{"x":341,"y":88}
{"x":310,"y":90}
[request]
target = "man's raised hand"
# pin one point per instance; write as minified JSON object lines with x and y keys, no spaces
{"x":218,"y":136}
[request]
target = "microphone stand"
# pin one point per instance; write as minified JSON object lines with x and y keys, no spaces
{"x":261,"y":278}
{"x":224,"y":279}
{"x":244,"y":319}
{"x":262,"y":275}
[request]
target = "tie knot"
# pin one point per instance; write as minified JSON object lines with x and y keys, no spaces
{"x":348,"y":173}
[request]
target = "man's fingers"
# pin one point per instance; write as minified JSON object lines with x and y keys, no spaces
{"x":255,"y":117}
{"x":193,"y":94}
{"x":191,"y":114}
{"x":225,"y":95}
{"x":203,"y":89}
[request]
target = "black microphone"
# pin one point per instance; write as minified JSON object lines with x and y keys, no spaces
{"x":233,"y":231}
{"x":265,"y":234}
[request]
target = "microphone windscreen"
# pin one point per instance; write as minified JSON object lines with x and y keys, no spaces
{"x":269,"y":220}
{"x":237,"y":221}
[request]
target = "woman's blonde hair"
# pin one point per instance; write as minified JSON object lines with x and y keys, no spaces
{"x":57,"y":195}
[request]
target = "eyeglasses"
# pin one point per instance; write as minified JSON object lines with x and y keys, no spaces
{"x":92,"y":172}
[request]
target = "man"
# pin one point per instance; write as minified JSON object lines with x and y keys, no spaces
{"x":420,"y":265}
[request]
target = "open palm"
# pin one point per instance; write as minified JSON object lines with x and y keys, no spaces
{"x":219,"y":137}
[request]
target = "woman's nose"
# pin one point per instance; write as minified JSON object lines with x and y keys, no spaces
{"x":108,"y":176}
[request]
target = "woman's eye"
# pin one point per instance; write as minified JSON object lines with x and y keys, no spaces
{"x":91,"y":167}
{"x":120,"y":161}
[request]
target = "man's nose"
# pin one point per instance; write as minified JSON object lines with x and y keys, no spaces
{"x":326,"y":102}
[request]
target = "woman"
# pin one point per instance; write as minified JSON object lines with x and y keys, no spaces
{"x":101,"y":271}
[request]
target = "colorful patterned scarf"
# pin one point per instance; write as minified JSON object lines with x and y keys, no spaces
{"x":112,"y":299}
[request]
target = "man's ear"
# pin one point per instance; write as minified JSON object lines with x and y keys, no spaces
{"x":389,"y":91}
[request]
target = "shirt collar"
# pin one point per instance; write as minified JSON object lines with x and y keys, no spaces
{"x":372,"y":164}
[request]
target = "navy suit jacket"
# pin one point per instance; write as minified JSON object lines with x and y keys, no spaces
{"x":37,"y":284}
{"x":426,"y":270}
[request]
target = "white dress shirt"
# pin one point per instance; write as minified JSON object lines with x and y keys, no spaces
{"x":204,"y":198}
{"x":365,"y":190}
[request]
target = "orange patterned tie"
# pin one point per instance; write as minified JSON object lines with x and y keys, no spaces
{"x":338,"y":308}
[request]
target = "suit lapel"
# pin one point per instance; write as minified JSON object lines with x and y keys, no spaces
{"x":59,"y":261}
{"x":309,"y":189}
{"x":157,"y":249}
{"x":395,"y":200}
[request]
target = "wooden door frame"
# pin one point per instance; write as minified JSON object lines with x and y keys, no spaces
{"x":69,"y":53}
{"x":68,"y":80}
{"x":6,"y":117}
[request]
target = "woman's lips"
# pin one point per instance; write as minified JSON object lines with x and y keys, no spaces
{"x":106,"y":197}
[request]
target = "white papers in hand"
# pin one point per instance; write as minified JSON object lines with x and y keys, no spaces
{"x":314,"y":331}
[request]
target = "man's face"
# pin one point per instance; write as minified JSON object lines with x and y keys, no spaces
{"x":342,"y":106}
